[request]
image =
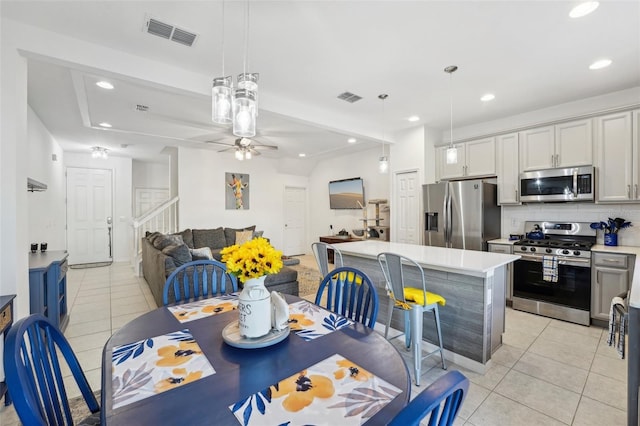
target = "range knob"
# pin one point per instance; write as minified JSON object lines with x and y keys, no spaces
{"x":576,"y":253}
{"x":532,"y":249}
{"x":548,"y":250}
{"x":565,"y":251}
{"x":523,"y":248}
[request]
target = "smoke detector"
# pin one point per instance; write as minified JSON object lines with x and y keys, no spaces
{"x":349,"y":97}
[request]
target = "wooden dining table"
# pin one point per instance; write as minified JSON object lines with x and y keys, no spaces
{"x":241,"y":372}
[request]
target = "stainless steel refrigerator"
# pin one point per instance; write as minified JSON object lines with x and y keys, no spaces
{"x":461,"y":214}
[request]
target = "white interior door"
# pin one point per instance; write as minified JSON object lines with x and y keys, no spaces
{"x":89,"y":201}
{"x":295,"y":210}
{"x":147,"y":199}
{"x":407,"y":201}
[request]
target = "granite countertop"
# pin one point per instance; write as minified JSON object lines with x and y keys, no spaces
{"x":502,"y":241}
{"x":469,"y":262}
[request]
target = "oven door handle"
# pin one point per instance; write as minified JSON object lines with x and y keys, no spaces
{"x":583,"y":263}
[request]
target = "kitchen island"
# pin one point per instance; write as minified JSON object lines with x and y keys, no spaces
{"x":472,"y":282}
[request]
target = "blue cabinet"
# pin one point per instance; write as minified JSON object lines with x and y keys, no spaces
{"x":48,"y":286}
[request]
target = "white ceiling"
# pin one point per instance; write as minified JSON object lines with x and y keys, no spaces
{"x":530,"y":54}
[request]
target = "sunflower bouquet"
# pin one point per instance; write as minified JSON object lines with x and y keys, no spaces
{"x":252,"y":259}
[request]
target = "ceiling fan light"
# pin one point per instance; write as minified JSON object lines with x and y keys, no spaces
{"x":452,"y":155}
{"x":239,"y":155}
{"x":221,"y":100}
{"x":247,"y":155}
{"x":244,"y":118}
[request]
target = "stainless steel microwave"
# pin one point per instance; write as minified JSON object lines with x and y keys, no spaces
{"x":558,"y":185}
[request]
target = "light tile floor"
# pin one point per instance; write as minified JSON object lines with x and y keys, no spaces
{"x":547,"y":372}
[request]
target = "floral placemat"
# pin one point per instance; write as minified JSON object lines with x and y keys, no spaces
{"x":151,"y":366}
{"x":204,"y":308}
{"x":334,"y":391}
{"x":310,"y":321}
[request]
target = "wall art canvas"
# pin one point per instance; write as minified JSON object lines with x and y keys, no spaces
{"x":237,"y":191}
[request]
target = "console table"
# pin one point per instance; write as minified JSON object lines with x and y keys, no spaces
{"x":6,"y":319}
{"x":48,"y":286}
{"x":334,"y":239}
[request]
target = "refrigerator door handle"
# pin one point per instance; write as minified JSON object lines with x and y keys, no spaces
{"x":447,"y":216}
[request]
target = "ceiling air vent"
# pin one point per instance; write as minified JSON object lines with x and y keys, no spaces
{"x":349,"y":97}
{"x":170,"y":32}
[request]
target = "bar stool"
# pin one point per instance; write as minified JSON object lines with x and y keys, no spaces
{"x":414,"y":302}
{"x":320,"y":252}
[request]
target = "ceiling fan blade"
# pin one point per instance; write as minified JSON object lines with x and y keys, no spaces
{"x":220,"y":143}
{"x":226,"y":149}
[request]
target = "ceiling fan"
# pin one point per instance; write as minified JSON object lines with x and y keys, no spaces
{"x":245,"y":148}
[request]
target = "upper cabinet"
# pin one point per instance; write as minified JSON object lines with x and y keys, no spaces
{"x":563,"y":145}
{"x":475,"y":159}
{"x":617,"y":156}
{"x":507,"y":169}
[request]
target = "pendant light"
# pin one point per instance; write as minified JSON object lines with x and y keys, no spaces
{"x":452,"y":152}
{"x":245,"y":108}
{"x":383,"y":161}
{"x":221,"y":91}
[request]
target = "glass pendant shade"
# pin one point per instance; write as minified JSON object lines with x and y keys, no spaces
{"x":452,"y":155}
{"x":221,"y":100}
{"x":248,"y":81}
{"x":383,"y":165}
{"x":244,"y":120}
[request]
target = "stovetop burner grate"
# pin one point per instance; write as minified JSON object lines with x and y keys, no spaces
{"x":554,"y":243}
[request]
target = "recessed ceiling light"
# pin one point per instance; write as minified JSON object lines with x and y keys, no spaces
{"x":488,"y":97}
{"x":105,"y":124}
{"x":302,"y":154}
{"x":601,"y":63}
{"x":413,"y":118}
{"x":105,"y":85}
{"x":583,"y":9}
{"x":352,"y":140}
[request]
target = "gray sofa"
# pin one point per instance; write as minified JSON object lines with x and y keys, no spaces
{"x":161,"y":254}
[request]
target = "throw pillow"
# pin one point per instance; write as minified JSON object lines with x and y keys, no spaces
{"x":179,"y":252}
{"x":163,"y":241}
{"x":212,"y":238}
{"x":151,"y":236}
{"x":203,"y":253}
{"x":187,"y":237}
{"x":243,"y":236}
{"x":230,"y":234}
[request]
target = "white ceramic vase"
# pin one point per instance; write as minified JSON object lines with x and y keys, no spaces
{"x":254,"y":308}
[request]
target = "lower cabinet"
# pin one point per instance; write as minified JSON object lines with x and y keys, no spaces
{"x":610,"y":278}
{"x":506,"y":249}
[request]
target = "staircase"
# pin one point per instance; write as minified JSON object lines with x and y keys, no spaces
{"x":163,"y":218}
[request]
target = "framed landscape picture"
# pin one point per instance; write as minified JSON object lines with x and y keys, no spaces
{"x":236,"y":191}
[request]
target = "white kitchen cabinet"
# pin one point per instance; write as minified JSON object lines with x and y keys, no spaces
{"x":610,"y":278}
{"x":537,"y":149}
{"x":508,"y":170}
{"x":505,"y":249}
{"x":475,"y":159}
{"x":617,"y":157}
{"x":574,"y":144}
{"x":563,"y":145}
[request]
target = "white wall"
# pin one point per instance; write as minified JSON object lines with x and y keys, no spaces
{"x":151,"y":175}
{"x":122,"y":195}
{"x":47,"y":209}
{"x":202,"y":189}
{"x":14,"y":238}
{"x":362,"y":164}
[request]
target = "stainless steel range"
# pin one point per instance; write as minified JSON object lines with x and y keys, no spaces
{"x":553,"y":277}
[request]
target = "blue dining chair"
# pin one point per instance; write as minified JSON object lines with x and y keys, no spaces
{"x":351,"y":294}
{"x":200,"y":279}
{"x":413,"y":302}
{"x":34,"y":352}
{"x":451,"y":388}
